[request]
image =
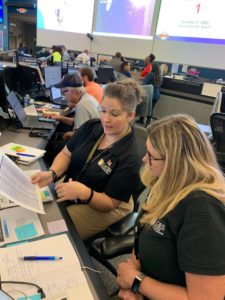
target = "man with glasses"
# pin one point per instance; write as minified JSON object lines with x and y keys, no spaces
{"x":86,"y":108}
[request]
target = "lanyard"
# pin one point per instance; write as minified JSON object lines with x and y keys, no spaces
{"x":89,"y":159}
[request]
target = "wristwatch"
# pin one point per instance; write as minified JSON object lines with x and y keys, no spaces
{"x":137,"y":281}
{"x":54,"y":175}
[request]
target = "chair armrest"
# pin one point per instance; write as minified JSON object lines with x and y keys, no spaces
{"x":124,"y":225}
{"x":115,"y":246}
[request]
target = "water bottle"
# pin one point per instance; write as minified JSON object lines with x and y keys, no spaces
{"x":26,"y":100}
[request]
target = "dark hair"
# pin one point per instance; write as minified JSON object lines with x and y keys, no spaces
{"x":151,"y":57}
{"x":128,"y":92}
{"x":123,"y":65}
{"x":156,"y":74}
{"x":118,"y":54}
{"x":88,"y":72}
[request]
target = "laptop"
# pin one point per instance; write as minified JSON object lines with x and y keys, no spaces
{"x":56,"y":96}
{"x":26,"y":121}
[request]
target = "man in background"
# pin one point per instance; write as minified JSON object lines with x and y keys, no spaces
{"x":83,"y":57}
{"x":92,"y":88}
{"x":86,"y":108}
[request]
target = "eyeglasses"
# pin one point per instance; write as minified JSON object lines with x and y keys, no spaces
{"x":150,"y":158}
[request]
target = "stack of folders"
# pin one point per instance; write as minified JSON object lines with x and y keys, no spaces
{"x":22,"y":154}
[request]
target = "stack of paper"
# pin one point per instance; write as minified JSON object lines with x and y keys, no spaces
{"x":24,"y":154}
{"x":17,"y":187}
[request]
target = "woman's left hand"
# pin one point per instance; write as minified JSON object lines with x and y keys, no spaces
{"x":129,"y":295}
{"x":72,"y":190}
{"x":126,"y":273}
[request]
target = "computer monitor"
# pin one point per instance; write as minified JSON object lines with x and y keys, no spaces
{"x":52,"y":75}
{"x":28,"y":79}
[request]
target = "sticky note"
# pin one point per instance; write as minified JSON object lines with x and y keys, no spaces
{"x":57,"y":226}
{"x":26,"y":231}
{"x":32,"y":297}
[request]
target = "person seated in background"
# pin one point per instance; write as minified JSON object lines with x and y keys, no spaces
{"x":148,"y":65}
{"x":83,"y":57}
{"x":56,"y":54}
{"x":154,"y":78}
{"x":180,"y":232}
{"x":65,"y":55}
{"x":125,"y":69}
{"x":86,"y":108}
{"x":116,"y":61}
{"x":92,"y":88}
{"x":22,"y":49}
{"x":101,"y":163}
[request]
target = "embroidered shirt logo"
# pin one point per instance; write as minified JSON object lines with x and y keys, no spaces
{"x":159,"y":227}
{"x":105,"y":166}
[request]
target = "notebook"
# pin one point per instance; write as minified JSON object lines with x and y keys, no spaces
{"x":24,"y":154}
{"x":26,"y":120}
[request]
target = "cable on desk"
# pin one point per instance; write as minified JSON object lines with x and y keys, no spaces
{"x":88,"y":268}
{"x":39,"y":289}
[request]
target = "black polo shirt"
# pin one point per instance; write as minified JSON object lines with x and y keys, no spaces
{"x":115,"y":172}
{"x":190,"y":238}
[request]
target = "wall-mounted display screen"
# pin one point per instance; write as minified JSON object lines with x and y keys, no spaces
{"x":125,"y":18}
{"x":196,"y":21}
{"x":66,"y":15}
{"x":1,"y":11}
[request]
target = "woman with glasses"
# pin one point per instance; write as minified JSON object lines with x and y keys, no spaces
{"x":101,"y":163}
{"x":180,"y":233}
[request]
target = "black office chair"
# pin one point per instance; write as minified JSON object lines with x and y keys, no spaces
{"x":105,"y":75}
{"x":217,"y":123}
{"x":118,"y":239}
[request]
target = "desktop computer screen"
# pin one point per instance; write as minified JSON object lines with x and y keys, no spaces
{"x":52,"y":75}
{"x":28,"y":79}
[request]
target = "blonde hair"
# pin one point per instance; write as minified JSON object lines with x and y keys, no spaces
{"x":128,"y":92}
{"x":190,"y":164}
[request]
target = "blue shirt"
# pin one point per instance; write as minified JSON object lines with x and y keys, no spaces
{"x":149,"y":79}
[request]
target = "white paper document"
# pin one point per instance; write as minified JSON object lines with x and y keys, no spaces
{"x":18,"y":224}
{"x":211,"y":89}
{"x":30,"y":110}
{"x":54,"y":277}
{"x":17,"y":187}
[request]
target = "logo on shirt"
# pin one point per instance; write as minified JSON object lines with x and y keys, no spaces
{"x":105,"y":166}
{"x":159,"y":227}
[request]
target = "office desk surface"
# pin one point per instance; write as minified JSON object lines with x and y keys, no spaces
{"x":55,"y":212}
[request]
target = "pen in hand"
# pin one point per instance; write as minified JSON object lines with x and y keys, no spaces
{"x":42,"y":258}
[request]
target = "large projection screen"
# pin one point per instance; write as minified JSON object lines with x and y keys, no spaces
{"x":64,"y":22}
{"x":127,"y":26}
{"x":191,"y":32}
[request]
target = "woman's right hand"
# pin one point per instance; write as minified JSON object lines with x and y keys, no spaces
{"x":42,"y":178}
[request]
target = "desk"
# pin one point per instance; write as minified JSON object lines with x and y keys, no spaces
{"x":180,"y":96}
{"x":55,"y":212}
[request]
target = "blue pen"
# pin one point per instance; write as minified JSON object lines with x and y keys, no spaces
{"x":5,"y":226}
{"x":25,"y":154}
{"x":42,"y":258}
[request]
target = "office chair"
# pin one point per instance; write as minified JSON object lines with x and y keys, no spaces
{"x":104,"y":75}
{"x":144,"y":109}
{"x":217,"y":123}
{"x":118,"y":239}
